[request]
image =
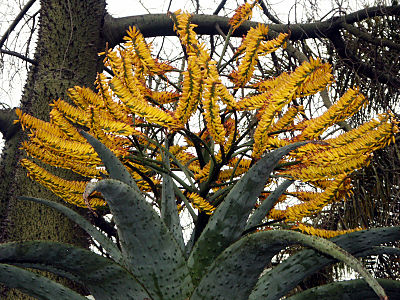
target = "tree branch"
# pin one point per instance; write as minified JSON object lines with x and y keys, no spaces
{"x":7,"y":126}
{"x":15,"y":22}
{"x":379,"y":73}
{"x":19,"y":55}
{"x":161,"y":25}
{"x":367,"y":37}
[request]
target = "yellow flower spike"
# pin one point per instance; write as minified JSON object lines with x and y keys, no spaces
{"x":201,"y":174}
{"x":72,"y":113}
{"x":70,"y":191}
{"x":347,"y":106}
{"x":191,"y":91}
{"x":261,"y":137}
{"x":286,"y":89}
{"x":138,"y":105}
{"x":201,"y":204}
{"x":98,"y":126}
{"x":117,"y":110}
{"x":365,"y":144}
{"x":225,"y":96}
{"x":317,"y":81}
{"x":253,"y":102}
{"x":211,"y":110}
{"x":140,"y":52}
{"x":354,"y":134}
{"x":243,"y":163}
{"x":28,"y":121}
{"x":230,"y":129}
{"x":323,"y":232}
{"x":274,"y":44}
{"x":185,"y":32}
{"x":83,"y":97}
{"x":305,"y":196}
{"x":114,"y":61}
{"x":335,"y":192}
{"x":242,"y":14}
{"x":58,"y":119}
{"x":164,"y":97}
{"x":276,"y":214}
{"x":281,"y":95}
{"x":302,"y":152}
{"x":252,"y":49}
{"x":287,"y":119}
{"x":269,"y":84}
{"x":78,"y":166}
{"x":62,"y":146}
{"x":310,"y":172}
{"x":273,"y":143}
{"x":226,"y":174}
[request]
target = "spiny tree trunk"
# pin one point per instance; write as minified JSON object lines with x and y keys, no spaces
{"x":67,"y":47}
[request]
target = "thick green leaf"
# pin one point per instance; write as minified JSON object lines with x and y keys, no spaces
{"x":235,"y":272}
{"x":169,"y":211}
{"x":104,"y":241}
{"x":242,"y":263}
{"x":261,"y":211}
{"x":229,"y":220}
{"x":277,"y":282}
{"x":113,"y":165}
{"x":378,"y":250}
{"x":150,"y":250}
{"x":35,"y":285}
{"x":349,"y":290}
{"x":105,"y":279}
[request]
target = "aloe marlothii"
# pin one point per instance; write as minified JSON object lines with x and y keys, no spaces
{"x":151,"y":263}
{"x":222,"y":169}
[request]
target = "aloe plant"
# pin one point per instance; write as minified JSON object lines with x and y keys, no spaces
{"x":224,"y":263}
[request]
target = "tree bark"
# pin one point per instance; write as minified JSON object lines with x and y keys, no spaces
{"x":161,"y":25}
{"x":66,"y":55}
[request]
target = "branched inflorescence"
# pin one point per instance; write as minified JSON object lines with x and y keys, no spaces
{"x":133,"y":120}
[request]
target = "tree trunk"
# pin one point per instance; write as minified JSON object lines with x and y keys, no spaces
{"x":68,"y":43}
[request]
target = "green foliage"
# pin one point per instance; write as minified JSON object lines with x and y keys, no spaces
{"x":224,"y":263}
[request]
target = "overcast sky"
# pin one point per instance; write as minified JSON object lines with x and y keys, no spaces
{"x":13,"y":70}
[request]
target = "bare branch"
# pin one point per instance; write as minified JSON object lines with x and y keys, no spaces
{"x":19,"y":55}
{"x":367,"y":37}
{"x":161,"y":25}
{"x":220,"y":6}
{"x":268,"y":14}
{"x":377,"y":72}
{"x":16,"y":21}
